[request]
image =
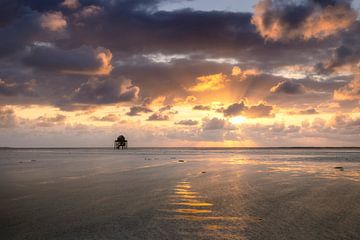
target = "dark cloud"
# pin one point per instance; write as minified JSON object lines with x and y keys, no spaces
{"x":15,"y":89}
{"x":98,"y":91}
{"x":158,"y":117}
{"x":289,"y":87}
{"x":136,"y":110}
{"x":83,"y":60}
{"x":160,"y":31}
{"x":21,"y":30}
{"x":234,"y":109}
{"x":166,"y":108}
{"x":308,"y":111}
{"x":9,"y":9}
{"x":241,"y":108}
{"x":188,"y":122}
{"x":347,"y":53}
{"x":202,"y":107}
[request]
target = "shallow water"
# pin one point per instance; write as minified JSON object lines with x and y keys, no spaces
{"x":179,"y":194}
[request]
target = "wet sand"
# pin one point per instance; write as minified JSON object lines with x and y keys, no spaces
{"x":179,"y":194}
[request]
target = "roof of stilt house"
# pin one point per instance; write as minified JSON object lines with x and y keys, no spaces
{"x":120,"y":138}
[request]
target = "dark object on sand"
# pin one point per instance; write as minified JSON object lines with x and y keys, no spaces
{"x":181,"y":161}
{"x":339,"y":168}
{"x":120,"y":142}
{"x":33,"y":160}
{"x":203,"y":172}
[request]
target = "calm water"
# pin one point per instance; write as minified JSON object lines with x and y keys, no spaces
{"x":180,"y":194}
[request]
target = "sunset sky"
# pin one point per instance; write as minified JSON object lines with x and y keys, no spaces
{"x":179,"y":73}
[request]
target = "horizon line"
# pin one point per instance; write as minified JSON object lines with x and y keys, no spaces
{"x":281,"y":147}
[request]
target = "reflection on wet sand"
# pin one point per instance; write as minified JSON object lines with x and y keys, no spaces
{"x":186,"y":205}
{"x":321,"y":170}
{"x":329,"y":170}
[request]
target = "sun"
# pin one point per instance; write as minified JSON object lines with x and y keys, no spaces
{"x":237,"y":120}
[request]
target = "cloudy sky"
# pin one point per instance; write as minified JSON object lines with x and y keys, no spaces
{"x":203,"y":73}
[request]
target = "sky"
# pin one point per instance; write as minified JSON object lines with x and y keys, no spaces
{"x":179,"y":73}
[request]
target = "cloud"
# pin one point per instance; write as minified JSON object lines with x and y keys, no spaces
{"x":166,"y":26}
{"x":158,"y":117}
{"x":15,"y":89}
{"x":308,"y":111}
{"x":216,"y":124}
{"x":202,"y":108}
{"x":351,"y":91}
{"x":344,"y":121}
{"x":187,"y":122}
{"x":45,"y":121}
{"x":53,"y":21}
{"x":71,"y":4}
{"x":258,"y":111}
{"x":166,"y":108}
{"x":209,"y":83}
{"x":89,"y":11}
{"x":244,"y":74}
{"x":234,"y":109}
{"x":97,"y":91}
{"x":345,"y":56}
{"x":107,"y":118}
{"x":80,"y":61}
{"x":19,"y":29}
{"x":136,"y":110}
{"x":254,"y":111}
{"x":287,"y":20}
{"x":7,"y":117}
{"x":288,"y":87}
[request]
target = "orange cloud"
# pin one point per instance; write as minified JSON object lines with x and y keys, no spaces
{"x":273,"y":21}
{"x":244,"y":74}
{"x":53,"y":21}
{"x":209,"y":83}
{"x":71,"y":4}
{"x":351,"y":91}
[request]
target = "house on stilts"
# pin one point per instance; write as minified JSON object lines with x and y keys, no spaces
{"x":120,"y":143}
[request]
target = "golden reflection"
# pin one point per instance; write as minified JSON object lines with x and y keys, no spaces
{"x":185,"y":204}
{"x":204,"y":218}
{"x":190,"y":210}
{"x":194,"y":204}
{"x":325,"y":170}
{"x":184,"y":196}
{"x":187,"y":186}
{"x":185,"y":193}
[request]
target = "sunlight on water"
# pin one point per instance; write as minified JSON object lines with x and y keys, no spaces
{"x":186,"y":205}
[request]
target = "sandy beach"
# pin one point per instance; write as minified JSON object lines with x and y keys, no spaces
{"x":179,"y":194}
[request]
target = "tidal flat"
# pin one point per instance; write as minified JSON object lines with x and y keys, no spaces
{"x":179,"y":193}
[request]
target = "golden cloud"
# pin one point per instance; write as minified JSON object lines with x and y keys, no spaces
{"x":244,"y":74}
{"x":210,"y":83}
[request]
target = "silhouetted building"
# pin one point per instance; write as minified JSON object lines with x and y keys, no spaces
{"x":120,"y":142}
